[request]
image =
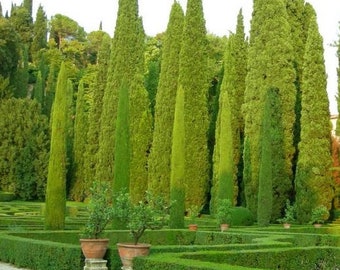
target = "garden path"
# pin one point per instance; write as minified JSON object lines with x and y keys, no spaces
{"x":7,"y":266}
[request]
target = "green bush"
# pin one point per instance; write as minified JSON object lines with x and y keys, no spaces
{"x":6,"y":196}
{"x":241,"y":216}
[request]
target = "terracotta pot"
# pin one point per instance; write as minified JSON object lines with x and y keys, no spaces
{"x":317,"y":225}
{"x":128,"y":251}
{"x":94,"y":248}
{"x":193,"y":227}
{"x":224,"y":227}
{"x":286,"y":225}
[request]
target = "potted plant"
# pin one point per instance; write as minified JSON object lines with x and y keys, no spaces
{"x":289,"y":216}
{"x":319,"y":215}
{"x":100,"y":214}
{"x":223,"y":213}
{"x":193,"y":214}
{"x":150,"y":213}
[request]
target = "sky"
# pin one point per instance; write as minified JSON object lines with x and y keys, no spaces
{"x":220,"y":17}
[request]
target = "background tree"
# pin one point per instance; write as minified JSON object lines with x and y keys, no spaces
{"x":160,"y":155}
{"x":313,"y":180}
{"x":193,"y":79}
{"x":57,"y":167}
{"x":40,"y":30}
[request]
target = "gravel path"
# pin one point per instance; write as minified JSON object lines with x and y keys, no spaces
{"x":7,"y":266}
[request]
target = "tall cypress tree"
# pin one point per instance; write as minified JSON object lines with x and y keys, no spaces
{"x":223,"y":187}
{"x":265,"y":196}
{"x":177,"y":191}
{"x":193,"y":80}
{"x":122,"y":69}
{"x":270,"y":64}
{"x":313,"y":178}
{"x":95,"y":111}
{"x":160,"y":155}
{"x":140,"y":124}
{"x":56,"y":180}
{"x":77,"y":185}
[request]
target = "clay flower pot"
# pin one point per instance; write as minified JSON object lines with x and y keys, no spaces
{"x":224,"y":227}
{"x":128,"y":251}
{"x":193,"y":227}
{"x":94,"y":248}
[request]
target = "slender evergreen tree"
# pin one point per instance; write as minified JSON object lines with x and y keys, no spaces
{"x":39,"y":33}
{"x":160,"y":155}
{"x":177,"y":191}
{"x":95,"y":111}
{"x":313,"y":178}
{"x":224,"y":187}
{"x":265,"y":196}
{"x":77,"y":185}
{"x":56,"y":180}
{"x":193,"y":80}
{"x":270,"y":64}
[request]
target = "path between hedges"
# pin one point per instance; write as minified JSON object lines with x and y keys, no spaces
{"x":7,"y":266}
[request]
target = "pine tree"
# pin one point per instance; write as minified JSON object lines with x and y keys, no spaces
{"x":270,"y":65}
{"x":160,"y":155}
{"x":56,"y":180}
{"x":313,"y":179}
{"x":177,"y":191}
{"x":193,"y":80}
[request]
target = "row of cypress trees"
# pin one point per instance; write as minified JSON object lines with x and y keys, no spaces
{"x":272,"y":134}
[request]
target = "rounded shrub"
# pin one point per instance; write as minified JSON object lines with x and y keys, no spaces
{"x":241,"y":216}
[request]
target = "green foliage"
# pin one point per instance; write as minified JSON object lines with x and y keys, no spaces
{"x":224,"y":211}
{"x":319,"y":214}
{"x":56,"y":180}
{"x":100,"y":210}
{"x":149,"y":213}
{"x":194,"y":212}
{"x":24,"y":148}
{"x":160,"y":154}
{"x":193,"y":79}
{"x":290,"y":213}
{"x":177,"y":190}
{"x":39,"y":41}
{"x":313,"y":181}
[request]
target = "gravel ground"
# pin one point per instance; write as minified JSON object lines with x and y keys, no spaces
{"x":6,"y":266}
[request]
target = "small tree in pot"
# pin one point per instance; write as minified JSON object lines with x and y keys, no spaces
{"x":151,"y":213}
{"x":289,"y":216}
{"x":100,"y":214}
{"x":319,"y":215}
{"x":223,"y":213}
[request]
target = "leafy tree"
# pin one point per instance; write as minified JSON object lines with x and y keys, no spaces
{"x":160,"y":155}
{"x":193,"y":80}
{"x":270,"y":65}
{"x":313,"y":180}
{"x":93,"y":45}
{"x":22,"y":22}
{"x":57,"y":167}
{"x":177,"y":191}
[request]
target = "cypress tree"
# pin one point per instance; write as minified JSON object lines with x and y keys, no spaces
{"x":77,"y":185}
{"x":225,"y":181}
{"x":193,"y":80}
{"x":56,"y":180}
{"x":160,"y":155}
{"x":95,"y":111}
{"x":124,"y":63}
{"x":177,"y":191}
{"x":140,"y":124}
{"x":122,"y":144}
{"x":313,"y":178}
{"x":270,"y":65}
{"x":265,"y":196}
{"x":38,"y":90}
{"x":39,"y":33}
